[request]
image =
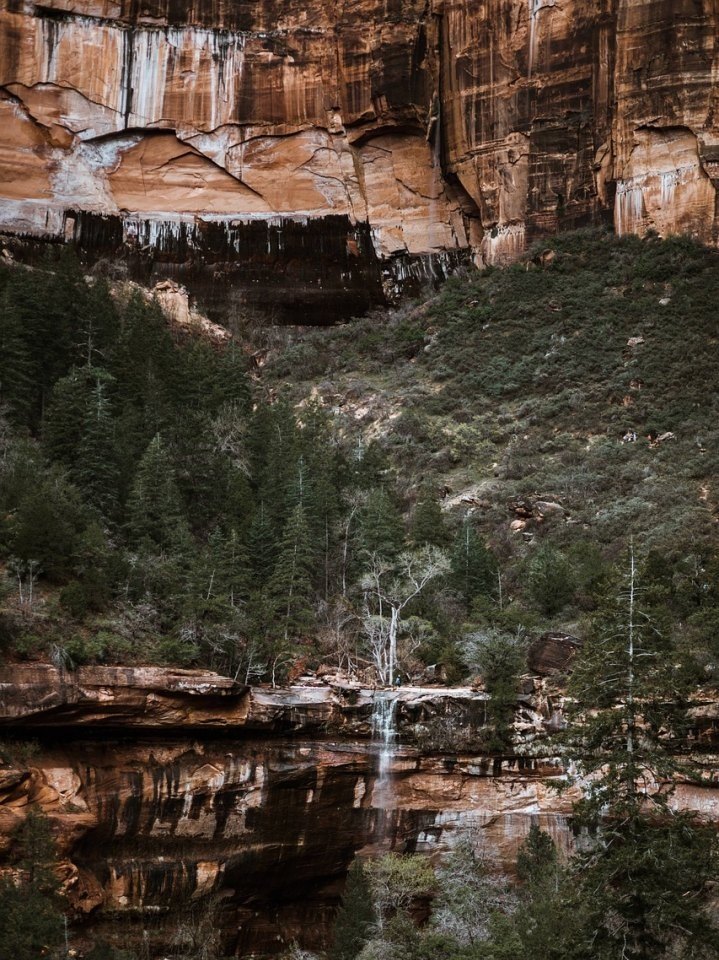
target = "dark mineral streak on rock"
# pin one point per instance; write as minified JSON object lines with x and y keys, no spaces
{"x":168,"y":788}
{"x":310,"y":162}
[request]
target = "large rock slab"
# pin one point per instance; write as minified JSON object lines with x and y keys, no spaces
{"x":227,"y":143}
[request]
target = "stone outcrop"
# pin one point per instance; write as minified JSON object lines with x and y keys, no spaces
{"x":345,"y":152}
{"x":179,"y":794}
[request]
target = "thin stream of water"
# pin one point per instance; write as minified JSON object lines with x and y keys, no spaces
{"x":384,"y":733}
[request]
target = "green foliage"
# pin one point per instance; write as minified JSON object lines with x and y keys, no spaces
{"x":645,"y":882}
{"x":380,"y":526}
{"x":396,"y":880}
{"x":18,"y":753}
{"x":500,"y":658}
{"x":291,"y":584}
{"x":474,"y":568}
{"x":645,"y":889}
{"x":47,"y":524}
{"x":156,"y":515}
{"x":141,"y":474}
{"x":551,"y":580}
{"x":428,"y":525}
{"x":355,"y":918}
{"x":537,"y":858}
{"x":30,"y":917}
{"x":97,"y":472}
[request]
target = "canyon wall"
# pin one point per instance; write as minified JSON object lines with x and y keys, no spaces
{"x":180,"y":795}
{"x":314,"y":158}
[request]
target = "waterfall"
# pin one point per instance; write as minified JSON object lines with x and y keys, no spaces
{"x":533,"y":12}
{"x":384,"y":734}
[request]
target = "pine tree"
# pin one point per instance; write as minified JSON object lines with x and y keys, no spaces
{"x":501,"y":659}
{"x":474,"y":567}
{"x":551,"y":921}
{"x":551,"y":580}
{"x":279,"y":474}
{"x":46,"y":524}
{"x":97,"y":471}
{"x":66,"y":410}
{"x":156,"y":515}
{"x":356,"y":916}
{"x":230,"y":383}
{"x":380,"y":527}
{"x":144,"y":360}
{"x":645,"y":882}
{"x":230,"y":564}
{"x":17,"y":375}
{"x":30,"y":917}
{"x":99,"y":328}
{"x":428,"y":527}
{"x":262,"y":547}
{"x":291,"y":585}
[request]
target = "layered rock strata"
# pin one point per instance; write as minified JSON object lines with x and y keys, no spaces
{"x":178,"y":795}
{"x":318,"y":157}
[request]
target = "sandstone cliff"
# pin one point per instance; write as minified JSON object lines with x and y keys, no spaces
{"x":168,"y":789}
{"x":348,"y":150}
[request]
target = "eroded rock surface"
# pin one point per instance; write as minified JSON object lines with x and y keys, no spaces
{"x":170,"y":790}
{"x":346,"y":151}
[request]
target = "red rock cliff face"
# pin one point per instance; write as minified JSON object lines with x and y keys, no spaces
{"x":346,"y":150}
{"x":175,"y":793}
{"x":170,"y":791}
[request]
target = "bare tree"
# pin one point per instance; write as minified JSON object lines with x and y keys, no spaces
{"x":337,"y":634}
{"x":229,"y":430}
{"x":389,"y":587}
{"x":198,"y":932}
{"x":26,"y":573}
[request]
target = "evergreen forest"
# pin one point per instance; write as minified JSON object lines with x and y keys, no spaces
{"x":414,"y":496}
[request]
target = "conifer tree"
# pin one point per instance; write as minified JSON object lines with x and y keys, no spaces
{"x":291,"y":585}
{"x":355,"y":918}
{"x":156,"y":515}
{"x":30,"y":916}
{"x":99,"y":327}
{"x":551,"y":580}
{"x":230,"y":383}
{"x":428,"y":527}
{"x":380,"y":527}
{"x":97,"y":471}
{"x":474,"y":568}
{"x":551,"y":921}
{"x":143,"y":361}
{"x":645,"y":882}
{"x":278,"y":478}
{"x":17,"y":376}
{"x":230,"y":565}
{"x":261,"y":547}
{"x":66,"y":411}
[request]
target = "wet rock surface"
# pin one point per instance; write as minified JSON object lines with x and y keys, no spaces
{"x":170,"y":790}
{"x":226,"y":145}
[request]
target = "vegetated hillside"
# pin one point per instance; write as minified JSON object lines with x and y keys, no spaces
{"x":513,"y":392}
{"x":472,"y":445}
{"x":521,"y":383}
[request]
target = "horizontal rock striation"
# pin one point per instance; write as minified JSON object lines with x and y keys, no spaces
{"x":316,"y":158}
{"x":178,"y":795}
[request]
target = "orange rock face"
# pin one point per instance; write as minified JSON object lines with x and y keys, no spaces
{"x":404,"y":137}
{"x":173,"y":791}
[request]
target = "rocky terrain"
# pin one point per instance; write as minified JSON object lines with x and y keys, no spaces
{"x":350,"y":151}
{"x":173,"y":788}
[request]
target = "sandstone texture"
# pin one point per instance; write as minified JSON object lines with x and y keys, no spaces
{"x":176,"y":794}
{"x":317,"y":157}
